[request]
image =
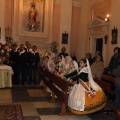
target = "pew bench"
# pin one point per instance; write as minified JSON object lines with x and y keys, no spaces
{"x":107,"y":83}
{"x":59,"y":88}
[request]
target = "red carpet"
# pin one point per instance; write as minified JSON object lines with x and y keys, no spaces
{"x":11,"y":112}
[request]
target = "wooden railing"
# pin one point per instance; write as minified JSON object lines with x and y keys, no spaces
{"x":107,"y":83}
{"x":58,"y":86}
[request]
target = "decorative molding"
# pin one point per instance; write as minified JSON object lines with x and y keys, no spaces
{"x":77,"y":4}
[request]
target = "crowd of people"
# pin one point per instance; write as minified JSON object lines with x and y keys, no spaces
{"x":25,"y":61}
{"x":83,"y":73}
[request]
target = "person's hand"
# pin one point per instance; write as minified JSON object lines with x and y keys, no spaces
{"x":109,"y":72}
{"x":70,"y":81}
{"x":33,"y":64}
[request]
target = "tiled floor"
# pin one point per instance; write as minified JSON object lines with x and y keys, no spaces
{"x":35,"y":104}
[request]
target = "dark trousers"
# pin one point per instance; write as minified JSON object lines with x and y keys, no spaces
{"x":22,"y":74}
{"x":28,"y":73}
{"x":15,"y":77}
{"x":34,"y":74}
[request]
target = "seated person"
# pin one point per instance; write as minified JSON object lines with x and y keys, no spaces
{"x":86,"y":92}
{"x":63,"y":52}
{"x":96,"y":53}
{"x":89,"y":57}
{"x":113,"y":61}
{"x":73,"y":56}
{"x":97,"y":67}
{"x":60,"y":63}
{"x":68,"y":59}
{"x":73,"y":70}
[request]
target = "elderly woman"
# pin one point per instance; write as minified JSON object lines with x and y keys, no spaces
{"x":97,"y":67}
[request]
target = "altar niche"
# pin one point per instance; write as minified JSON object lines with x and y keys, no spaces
{"x":33,"y":18}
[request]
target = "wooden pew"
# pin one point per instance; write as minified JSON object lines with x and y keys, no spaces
{"x":58,"y":86}
{"x":106,"y":83}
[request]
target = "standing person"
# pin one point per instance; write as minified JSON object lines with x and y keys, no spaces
{"x":116,"y":72}
{"x":86,"y":96}
{"x":22,"y":64}
{"x":113,"y":61}
{"x":28,"y":63}
{"x":14,"y":55}
{"x":63,"y":52}
{"x":35,"y":64}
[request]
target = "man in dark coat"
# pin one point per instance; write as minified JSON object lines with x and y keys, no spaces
{"x":35,"y":64}
{"x":14,"y":55}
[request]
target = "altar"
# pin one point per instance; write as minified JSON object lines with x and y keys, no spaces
{"x":6,"y":73}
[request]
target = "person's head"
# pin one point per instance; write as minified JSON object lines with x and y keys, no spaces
{"x":72,"y":54}
{"x":3,"y":47}
{"x":22,"y":47}
{"x":99,"y":57}
{"x":14,"y":47}
{"x":28,"y":46}
{"x":34,"y":48}
{"x":83,"y":63}
{"x":71,"y":65}
{"x":63,"y":49}
{"x":116,"y":50}
{"x":88,"y":55}
{"x":68,"y":59}
{"x":46,"y":59}
{"x":59,"y":59}
{"x":97,"y":52}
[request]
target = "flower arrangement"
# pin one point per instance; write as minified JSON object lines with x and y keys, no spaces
{"x":33,"y":26}
{"x":54,"y":47}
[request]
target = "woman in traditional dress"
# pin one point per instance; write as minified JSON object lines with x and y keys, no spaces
{"x":72,"y":71}
{"x":86,"y":96}
{"x":66,"y":67}
{"x":60,"y":64}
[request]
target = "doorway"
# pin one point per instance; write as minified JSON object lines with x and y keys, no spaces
{"x":99,"y":44}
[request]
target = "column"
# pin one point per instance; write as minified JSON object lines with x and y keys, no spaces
{"x":2,"y":19}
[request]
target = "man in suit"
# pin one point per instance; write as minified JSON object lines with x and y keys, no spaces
{"x":35,"y":63}
{"x":14,"y":55}
{"x":22,"y":63}
{"x":28,"y":65}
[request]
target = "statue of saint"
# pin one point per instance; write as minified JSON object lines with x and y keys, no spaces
{"x":32,"y":17}
{"x":32,"y":13}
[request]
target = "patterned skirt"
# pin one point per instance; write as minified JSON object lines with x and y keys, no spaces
{"x":80,"y":103}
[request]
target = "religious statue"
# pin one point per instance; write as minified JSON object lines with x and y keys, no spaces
{"x":32,"y":24}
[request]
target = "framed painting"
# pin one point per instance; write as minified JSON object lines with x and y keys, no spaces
{"x":114,"y":35}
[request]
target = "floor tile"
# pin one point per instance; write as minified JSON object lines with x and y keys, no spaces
{"x":46,"y":104}
{"x":5,"y":96}
{"x":28,"y":109}
{"x":37,"y":93}
{"x":32,"y":118}
{"x":73,"y":117}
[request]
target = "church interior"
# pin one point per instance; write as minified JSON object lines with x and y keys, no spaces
{"x":80,"y":26}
